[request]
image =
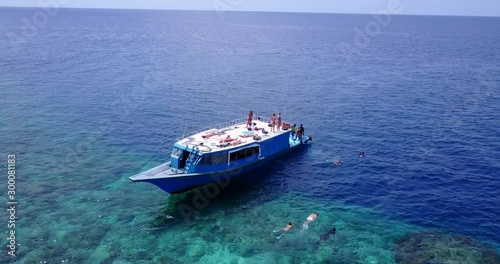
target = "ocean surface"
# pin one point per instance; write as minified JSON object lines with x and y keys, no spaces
{"x":91,"y":97}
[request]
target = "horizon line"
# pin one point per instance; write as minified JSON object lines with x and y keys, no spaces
{"x":249,"y":11}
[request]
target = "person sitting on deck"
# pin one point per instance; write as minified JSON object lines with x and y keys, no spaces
{"x":223,"y":144}
{"x":299,"y":134}
{"x":293,"y":131}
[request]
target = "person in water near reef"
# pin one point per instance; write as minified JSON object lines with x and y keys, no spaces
{"x":284,"y":229}
{"x":326,"y":236}
{"x":309,"y":219}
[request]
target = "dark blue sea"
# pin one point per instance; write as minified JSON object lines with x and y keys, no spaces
{"x":91,"y":97}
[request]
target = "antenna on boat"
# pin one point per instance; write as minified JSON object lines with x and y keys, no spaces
{"x":183,"y":133}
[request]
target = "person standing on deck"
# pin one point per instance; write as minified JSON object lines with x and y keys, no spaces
{"x":293,"y":131}
{"x":279,"y":121}
{"x":250,"y":117}
{"x":273,"y":122}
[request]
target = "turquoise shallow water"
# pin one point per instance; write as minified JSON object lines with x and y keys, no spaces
{"x":85,"y":106}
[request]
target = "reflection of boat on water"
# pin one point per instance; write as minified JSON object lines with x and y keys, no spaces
{"x":217,"y":154}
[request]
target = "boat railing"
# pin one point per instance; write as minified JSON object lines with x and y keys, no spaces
{"x":227,"y":124}
{"x":265,"y":119}
{"x":231,"y":123}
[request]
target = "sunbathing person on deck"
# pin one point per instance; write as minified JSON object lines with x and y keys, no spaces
{"x":236,"y":142}
{"x":229,"y":139}
{"x":209,"y":135}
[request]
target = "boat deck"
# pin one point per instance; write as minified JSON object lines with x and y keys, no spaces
{"x":232,"y":136}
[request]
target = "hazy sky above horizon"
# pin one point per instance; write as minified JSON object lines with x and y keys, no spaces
{"x":420,"y":7}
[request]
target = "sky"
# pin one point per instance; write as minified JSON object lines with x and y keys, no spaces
{"x":411,"y":7}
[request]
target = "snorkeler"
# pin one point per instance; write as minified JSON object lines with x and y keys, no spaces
{"x":309,"y":219}
{"x":327,"y":235}
{"x":285,"y":229}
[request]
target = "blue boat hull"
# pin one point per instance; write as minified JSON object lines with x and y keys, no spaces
{"x":186,"y":182}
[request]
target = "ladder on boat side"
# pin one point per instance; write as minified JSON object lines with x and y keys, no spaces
{"x":192,"y":160}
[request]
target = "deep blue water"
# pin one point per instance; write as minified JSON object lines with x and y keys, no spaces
{"x":95,"y":96}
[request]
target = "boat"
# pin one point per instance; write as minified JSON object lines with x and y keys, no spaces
{"x":217,"y":154}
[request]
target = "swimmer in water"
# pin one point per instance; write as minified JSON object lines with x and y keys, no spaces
{"x":336,"y":162}
{"x":285,"y":229}
{"x":309,"y":219}
{"x":361,"y":154}
{"x":327,"y":235}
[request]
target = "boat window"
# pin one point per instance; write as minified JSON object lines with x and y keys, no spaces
{"x":241,"y":154}
{"x":252,"y":151}
{"x":219,"y":158}
{"x":204,"y":160}
{"x":177,"y":152}
{"x":244,"y":153}
{"x":213,"y":159}
{"x":249,"y":152}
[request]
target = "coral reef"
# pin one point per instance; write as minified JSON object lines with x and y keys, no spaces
{"x":432,"y":247}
